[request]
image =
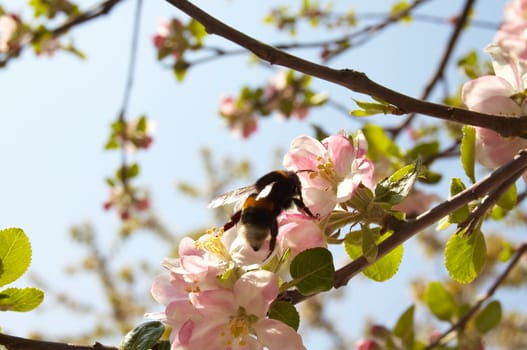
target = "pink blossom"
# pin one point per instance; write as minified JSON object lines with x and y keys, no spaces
{"x":500,"y":94}
{"x":366,"y":344}
{"x":298,"y":232}
{"x":512,"y":34}
{"x":240,"y":118}
{"x":8,"y":26}
{"x":236,"y":318}
{"x":331,"y":170}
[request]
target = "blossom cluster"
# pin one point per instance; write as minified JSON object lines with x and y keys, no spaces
{"x":218,"y":292}
{"x":11,"y":35}
{"x":503,"y":93}
{"x":286,"y":95}
{"x":127,"y":199}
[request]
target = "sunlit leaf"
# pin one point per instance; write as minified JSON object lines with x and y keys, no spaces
{"x":465,"y":256}
{"x":399,"y":7}
{"x":461,"y":214}
{"x":384,"y":268}
{"x":468,"y":151}
{"x":397,"y":187}
{"x":20,"y":299}
{"x":15,"y":254}
{"x":508,"y":200}
{"x":379,"y":144}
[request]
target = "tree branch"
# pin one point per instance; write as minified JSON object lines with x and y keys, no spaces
{"x":102,"y":9}
{"x":438,"y":74}
{"x":468,"y":315}
{"x":406,"y":230}
{"x":18,"y":343}
{"x":353,"y":80}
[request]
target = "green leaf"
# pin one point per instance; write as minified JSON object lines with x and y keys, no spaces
{"x":404,"y":328}
{"x":460,"y":215}
{"x":468,"y":151}
{"x":379,"y":144}
{"x":15,"y":254}
{"x":465,"y":256}
{"x":142,"y":124}
{"x":286,"y":312}
{"x":313,"y":271}
{"x":372,"y":108}
{"x":397,"y":187}
{"x":180,"y":69}
{"x":128,"y":172}
{"x":369,"y":246}
{"x":198,"y":30}
{"x":143,"y":337}
{"x":384,"y":268}
{"x":20,"y":299}
{"x":440,"y":302}
{"x":489,"y":317}
{"x":423,"y":150}
{"x":506,"y":251}
{"x":508,"y":200}
{"x":399,"y":7}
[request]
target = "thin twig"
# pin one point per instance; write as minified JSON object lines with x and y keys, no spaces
{"x":128,"y":90}
{"x":490,"y":292}
{"x":438,"y":74}
{"x":353,"y":80}
{"x":18,"y":343}
{"x":102,"y":9}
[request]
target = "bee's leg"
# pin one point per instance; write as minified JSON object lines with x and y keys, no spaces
{"x":272,"y":242}
{"x":300,"y":204}
{"x":233,"y":221}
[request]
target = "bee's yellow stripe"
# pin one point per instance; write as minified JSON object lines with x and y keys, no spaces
{"x":253,"y":202}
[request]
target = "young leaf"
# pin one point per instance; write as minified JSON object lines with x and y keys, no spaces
{"x":460,"y":215}
{"x":20,"y":299}
{"x":489,"y":317}
{"x":370,"y":108}
{"x":440,"y":302}
{"x":380,"y":146}
{"x":15,"y":254}
{"x":423,"y":150}
{"x":465,"y":256}
{"x":286,"y":312}
{"x":143,"y":337}
{"x":369,"y":246}
{"x":313,"y":270}
{"x":468,"y":151}
{"x":384,"y":268}
{"x":508,"y":200}
{"x":398,"y":186}
{"x":404,"y":328}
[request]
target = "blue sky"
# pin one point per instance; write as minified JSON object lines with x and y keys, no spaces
{"x":57,"y":111}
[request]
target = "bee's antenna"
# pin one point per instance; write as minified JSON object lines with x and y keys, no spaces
{"x":305,"y":171}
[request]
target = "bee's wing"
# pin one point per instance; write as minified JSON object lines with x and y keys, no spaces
{"x":232,"y":196}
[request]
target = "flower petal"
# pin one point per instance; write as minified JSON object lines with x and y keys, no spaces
{"x":220,"y":301}
{"x":256,"y":290}
{"x":276,"y":335}
{"x":303,"y":154}
{"x":488,"y":94}
{"x":341,"y":152}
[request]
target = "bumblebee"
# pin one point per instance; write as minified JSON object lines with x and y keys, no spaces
{"x":264,"y":201}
